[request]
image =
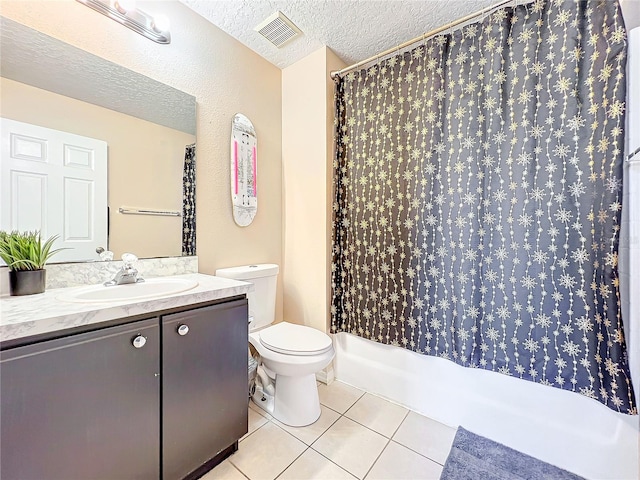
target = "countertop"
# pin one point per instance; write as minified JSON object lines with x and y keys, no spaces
{"x":25,"y":316}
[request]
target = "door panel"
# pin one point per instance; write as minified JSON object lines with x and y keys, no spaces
{"x":78,"y":213}
{"x":82,"y":407}
{"x":28,"y":148}
{"x":204,"y":385}
{"x":67,"y":177}
{"x":28,"y":200}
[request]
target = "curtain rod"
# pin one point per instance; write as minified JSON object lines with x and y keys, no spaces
{"x":484,"y":11}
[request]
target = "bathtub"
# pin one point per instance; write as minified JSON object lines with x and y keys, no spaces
{"x":562,"y":428}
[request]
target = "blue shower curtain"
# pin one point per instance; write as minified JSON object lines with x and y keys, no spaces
{"x":478,"y":198}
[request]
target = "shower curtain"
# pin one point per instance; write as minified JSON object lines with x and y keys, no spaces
{"x":478,"y":197}
{"x":189,"y":201}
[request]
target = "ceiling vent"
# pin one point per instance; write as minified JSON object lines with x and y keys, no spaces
{"x":278,"y":29}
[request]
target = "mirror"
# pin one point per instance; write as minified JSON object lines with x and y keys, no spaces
{"x":148,"y":127}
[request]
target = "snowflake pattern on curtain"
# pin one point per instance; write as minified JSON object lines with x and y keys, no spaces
{"x":189,"y":201}
{"x":478,"y":194}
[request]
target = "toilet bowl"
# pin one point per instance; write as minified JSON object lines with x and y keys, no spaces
{"x":290,"y":354}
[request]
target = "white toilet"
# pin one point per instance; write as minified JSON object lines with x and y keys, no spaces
{"x":291,"y":354}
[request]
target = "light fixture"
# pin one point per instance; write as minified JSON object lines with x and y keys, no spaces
{"x":126,"y":13}
{"x":123,"y":6}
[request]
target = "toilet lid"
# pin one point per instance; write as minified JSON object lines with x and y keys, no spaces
{"x":293,"y":339}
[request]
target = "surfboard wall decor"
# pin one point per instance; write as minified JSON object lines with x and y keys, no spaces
{"x":244,"y":170}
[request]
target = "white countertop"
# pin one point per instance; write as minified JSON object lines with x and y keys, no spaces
{"x":24,"y":316}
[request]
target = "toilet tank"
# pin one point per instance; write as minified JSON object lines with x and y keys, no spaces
{"x":262,"y":300}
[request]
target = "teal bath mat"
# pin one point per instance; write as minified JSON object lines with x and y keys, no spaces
{"x":473,"y":457}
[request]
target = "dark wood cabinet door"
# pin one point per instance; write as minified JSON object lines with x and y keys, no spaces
{"x":82,"y":407}
{"x":204,"y":384}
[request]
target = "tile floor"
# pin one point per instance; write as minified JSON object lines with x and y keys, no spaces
{"x":358,"y":435}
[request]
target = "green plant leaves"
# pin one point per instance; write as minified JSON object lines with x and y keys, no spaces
{"x":25,"y":250}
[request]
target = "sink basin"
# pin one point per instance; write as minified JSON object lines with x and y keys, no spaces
{"x":150,"y":288}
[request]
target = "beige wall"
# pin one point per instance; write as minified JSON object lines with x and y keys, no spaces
{"x":226,"y":78}
{"x":144,"y":166}
{"x":307,"y":151}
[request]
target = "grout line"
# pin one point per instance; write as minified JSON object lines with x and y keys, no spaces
{"x":233,"y":466}
{"x":332,"y":409}
{"x":337,"y":411}
{"x":422,"y":455}
{"x":400,"y":424}
{"x":354,"y":404}
{"x":350,"y":473}
{"x":275,"y":424}
{"x":418,"y":453}
{"x":372,"y":430}
{"x":340,"y":415}
{"x":364,"y":392}
{"x":377,"y":458}
{"x":278,"y":426}
{"x":349,"y":407}
{"x":391,"y":437}
{"x":294,"y":460}
{"x":308,"y":446}
{"x":259,"y":410}
{"x":327,"y":429}
{"x":288,"y":433}
{"x":386,"y":399}
{"x":348,"y":384}
{"x":328,"y":459}
{"x":368,"y":428}
{"x":248,"y":434}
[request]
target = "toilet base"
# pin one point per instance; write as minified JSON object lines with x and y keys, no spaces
{"x":295,"y":403}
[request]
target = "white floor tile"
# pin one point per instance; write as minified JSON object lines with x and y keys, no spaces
{"x":313,"y":466}
{"x":400,"y":463}
{"x":224,"y":471}
{"x":266,"y":453}
{"x":426,"y":436}
{"x":339,"y":396}
{"x":257,"y":409}
{"x":377,"y":414}
{"x":255,"y":422}
{"x":350,"y":445}
{"x":311,"y":433}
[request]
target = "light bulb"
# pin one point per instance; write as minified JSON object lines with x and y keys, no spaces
{"x":124,"y":6}
{"x":160,"y":23}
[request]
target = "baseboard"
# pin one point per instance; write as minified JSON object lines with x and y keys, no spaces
{"x":326,"y":375}
{"x":211,"y":464}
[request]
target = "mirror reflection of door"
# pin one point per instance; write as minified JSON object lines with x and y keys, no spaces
{"x":54,"y":182}
{"x":146,"y":124}
{"x":244,"y":170}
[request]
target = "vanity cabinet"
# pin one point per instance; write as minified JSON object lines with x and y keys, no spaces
{"x":84,"y":406}
{"x":204,"y":385}
{"x":148,"y":399}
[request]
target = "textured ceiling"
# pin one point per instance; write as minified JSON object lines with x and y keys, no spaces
{"x":36,"y":59}
{"x":353,"y":29}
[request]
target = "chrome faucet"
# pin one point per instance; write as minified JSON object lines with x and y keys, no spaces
{"x":128,"y":272}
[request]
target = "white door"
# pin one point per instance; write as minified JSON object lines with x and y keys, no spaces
{"x":55,"y":182}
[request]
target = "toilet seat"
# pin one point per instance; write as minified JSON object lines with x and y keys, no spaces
{"x":290,"y":339}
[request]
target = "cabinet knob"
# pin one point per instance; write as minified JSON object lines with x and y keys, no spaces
{"x":183,"y":330}
{"x":139,"y":341}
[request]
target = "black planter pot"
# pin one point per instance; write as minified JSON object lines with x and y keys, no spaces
{"x":27,"y":282}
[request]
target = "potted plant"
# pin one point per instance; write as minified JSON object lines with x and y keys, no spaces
{"x":25,"y":255}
